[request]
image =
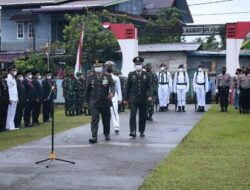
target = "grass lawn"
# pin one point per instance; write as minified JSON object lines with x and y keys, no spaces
{"x":13,"y":138}
{"x":214,"y":156}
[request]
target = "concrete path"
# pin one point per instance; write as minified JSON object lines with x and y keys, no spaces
{"x":122,"y":163}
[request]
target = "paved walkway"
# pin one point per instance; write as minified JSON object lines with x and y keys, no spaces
{"x":122,"y":163}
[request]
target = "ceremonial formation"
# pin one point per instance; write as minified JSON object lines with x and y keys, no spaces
{"x":104,"y":92}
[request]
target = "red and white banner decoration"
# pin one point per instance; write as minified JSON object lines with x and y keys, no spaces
{"x":78,"y":66}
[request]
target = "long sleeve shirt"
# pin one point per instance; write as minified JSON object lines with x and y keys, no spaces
{"x":12,"y":86}
{"x":118,"y":90}
{"x":181,"y":81}
{"x":200,"y":80}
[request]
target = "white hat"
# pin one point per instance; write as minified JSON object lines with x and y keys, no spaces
{"x":109,"y":63}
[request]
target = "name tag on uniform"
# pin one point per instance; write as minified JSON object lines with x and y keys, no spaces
{"x":92,"y":83}
{"x":105,"y":81}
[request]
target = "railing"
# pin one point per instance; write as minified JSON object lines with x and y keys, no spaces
{"x":22,"y":46}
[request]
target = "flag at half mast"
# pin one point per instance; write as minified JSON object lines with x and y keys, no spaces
{"x":78,"y":66}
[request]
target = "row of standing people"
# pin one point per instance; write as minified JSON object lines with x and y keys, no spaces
{"x":22,"y":96}
{"x":74,"y":88}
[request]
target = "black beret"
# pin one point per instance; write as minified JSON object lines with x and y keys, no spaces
{"x":48,"y":72}
{"x":163,"y":65}
{"x":35,"y":72}
{"x":181,"y":66}
{"x":19,"y":73}
{"x":11,"y":67}
{"x":28,"y":71}
{"x":138,"y":60}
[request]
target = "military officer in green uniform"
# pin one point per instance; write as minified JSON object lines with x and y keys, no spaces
{"x":154,"y":83}
{"x":138,"y":93}
{"x":81,"y":82}
{"x":100,"y":89}
{"x":70,"y":93}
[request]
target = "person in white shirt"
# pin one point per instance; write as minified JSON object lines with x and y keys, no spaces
{"x":201,"y":87}
{"x":13,"y":98}
{"x":164,"y":87}
{"x":117,"y":99}
{"x":181,"y":87}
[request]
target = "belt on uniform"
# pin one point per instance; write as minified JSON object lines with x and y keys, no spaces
{"x":162,"y":83}
{"x":182,"y":83}
{"x":200,"y":83}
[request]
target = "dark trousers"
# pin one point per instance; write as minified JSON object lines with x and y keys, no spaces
{"x":209,"y":97}
{"x":27,"y":113}
{"x":223,"y":95}
{"x":142,"y":116}
{"x":19,"y":114}
{"x":3,"y":115}
{"x":245,"y":99}
{"x":36,"y":111}
{"x":46,"y":110}
{"x":95,"y":118}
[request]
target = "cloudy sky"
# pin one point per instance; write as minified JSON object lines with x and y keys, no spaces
{"x":228,"y":6}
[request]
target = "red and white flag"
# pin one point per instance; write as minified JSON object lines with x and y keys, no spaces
{"x":78,"y":66}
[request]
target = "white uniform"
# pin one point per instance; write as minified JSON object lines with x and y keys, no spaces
{"x":117,"y":97}
{"x":11,"y":82}
{"x":201,"y":86}
{"x":165,"y":87}
{"x":181,"y":87}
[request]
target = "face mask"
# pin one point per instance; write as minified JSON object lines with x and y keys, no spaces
{"x":98,"y":69}
{"x":109,"y":70}
{"x":39,"y":77}
{"x":181,"y":69}
{"x":29,"y":76}
{"x":14,"y":73}
{"x":199,"y":69}
{"x":21,"y":78}
{"x":162,"y":68}
{"x":138,"y":67}
{"x":49,"y":77}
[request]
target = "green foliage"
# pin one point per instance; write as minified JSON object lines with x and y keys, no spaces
{"x":33,"y":61}
{"x":246,"y":44}
{"x":209,"y":43}
{"x":98,"y":43}
{"x":165,"y":17}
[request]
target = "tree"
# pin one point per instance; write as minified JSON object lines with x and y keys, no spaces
{"x":164,"y":18}
{"x":98,"y":42}
{"x":209,"y":43}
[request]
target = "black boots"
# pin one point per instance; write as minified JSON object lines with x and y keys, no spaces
{"x":179,"y":109}
{"x":183,"y":109}
{"x":201,"y":109}
{"x":93,"y":140}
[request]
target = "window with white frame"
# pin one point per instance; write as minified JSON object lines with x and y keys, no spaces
{"x":30,"y":30}
{"x":20,"y":30}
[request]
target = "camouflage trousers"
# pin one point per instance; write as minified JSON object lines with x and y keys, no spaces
{"x":150,"y":110}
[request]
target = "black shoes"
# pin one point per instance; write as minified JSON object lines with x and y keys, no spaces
{"x":117,"y":131}
{"x":93,"y":140}
{"x":107,"y":137}
{"x":183,"y":109}
{"x":142,"y":135}
{"x":179,"y":109}
{"x":132,"y":134}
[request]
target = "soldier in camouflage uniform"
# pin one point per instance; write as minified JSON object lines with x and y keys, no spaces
{"x":154,"y":82}
{"x":81,"y":82}
{"x":69,"y":86}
